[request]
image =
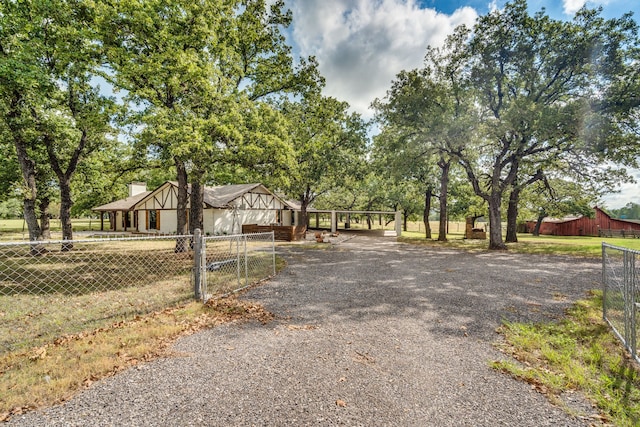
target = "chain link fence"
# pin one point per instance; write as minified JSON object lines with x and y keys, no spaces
{"x":56,"y":288}
{"x":621,"y":297}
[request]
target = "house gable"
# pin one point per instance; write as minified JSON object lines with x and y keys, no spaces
{"x":162,"y":198}
{"x":258,"y":198}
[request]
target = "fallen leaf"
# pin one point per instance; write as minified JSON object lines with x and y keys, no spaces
{"x":341,"y":403}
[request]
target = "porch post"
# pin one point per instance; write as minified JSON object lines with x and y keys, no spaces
{"x":334,"y":222}
{"x":398,"y":224}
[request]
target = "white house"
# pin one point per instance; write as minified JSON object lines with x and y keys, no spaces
{"x":226,"y":208}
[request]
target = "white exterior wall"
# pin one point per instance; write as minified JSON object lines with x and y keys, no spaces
{"x":118,"y":220}
{"x":208,"y":221}
{"x":258,"y":217}
{"x":168,"y":221}
{"x":142,"y":224}
{"x":223,"y":222}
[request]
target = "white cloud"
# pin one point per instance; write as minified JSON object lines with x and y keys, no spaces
{"x":362,"y":44}
{"x":572,"y":6}
{"x":628,"y":192}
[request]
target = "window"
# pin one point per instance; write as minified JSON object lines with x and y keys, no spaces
{"x":126,"y":220}
{"x":153,"y":220}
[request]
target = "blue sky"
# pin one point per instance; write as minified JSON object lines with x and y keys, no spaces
{"x":361,"y":45}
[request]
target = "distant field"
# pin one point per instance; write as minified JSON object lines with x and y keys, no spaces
{"x":16,"y":229}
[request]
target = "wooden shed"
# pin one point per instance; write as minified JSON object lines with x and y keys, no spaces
{"x":583,"y":226}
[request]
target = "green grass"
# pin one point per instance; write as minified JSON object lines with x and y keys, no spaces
{"x":578,"y":354}
{"x":549,"y":245}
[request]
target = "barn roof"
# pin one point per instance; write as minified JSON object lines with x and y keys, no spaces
{"x":573,"y":218}
{"x":124,"y":204}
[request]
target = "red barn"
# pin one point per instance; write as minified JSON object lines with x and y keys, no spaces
{"x":584,"y":226}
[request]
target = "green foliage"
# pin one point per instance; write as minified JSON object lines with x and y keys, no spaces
{"x":206,"y":79}
{"x":545,"y":245}
{"x":329,"y":146}
{"x":629,"y":211}
{"x":557,"y":198}
{"x":53,"y":110}
{"x":10,"y":209}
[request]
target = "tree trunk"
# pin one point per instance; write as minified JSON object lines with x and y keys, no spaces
{"x":30,"y":194}
{"x":304,"y":220}
{"x":541,"y":216}
{"x":404,"y":222}
{"x":45,"y":223}
{"x":181,"y":208}
{"x":495,"y":222}
{"x":445,"y":166}
{"x":30,"y":191}
{"x":512,"y":216}
{"x":425,"y":215}
{"x":65,"y":213}
{"x":197,"y":202}
{"x":305,"y":200}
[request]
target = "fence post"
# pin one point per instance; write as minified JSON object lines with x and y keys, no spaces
{"x":246,"y":264}
{"x":605,"y":285}
{"x":273,"y":251}
{"x":197,"y":263}
{"x":238,"y":258}
{"x":632,"y":302}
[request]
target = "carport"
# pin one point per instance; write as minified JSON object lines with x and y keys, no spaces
{"x":336,"y":215}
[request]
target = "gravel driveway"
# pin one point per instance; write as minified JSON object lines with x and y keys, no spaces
{"x":369,"y":332}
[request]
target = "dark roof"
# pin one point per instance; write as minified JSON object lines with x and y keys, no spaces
{"x":124,"y":204}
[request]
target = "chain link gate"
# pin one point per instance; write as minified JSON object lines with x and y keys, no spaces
{"x":227,"y":264}
{"x":621,"y":297}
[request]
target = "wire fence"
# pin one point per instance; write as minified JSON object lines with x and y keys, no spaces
{"x":56,"y":288}
{"x":621,"y":297}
